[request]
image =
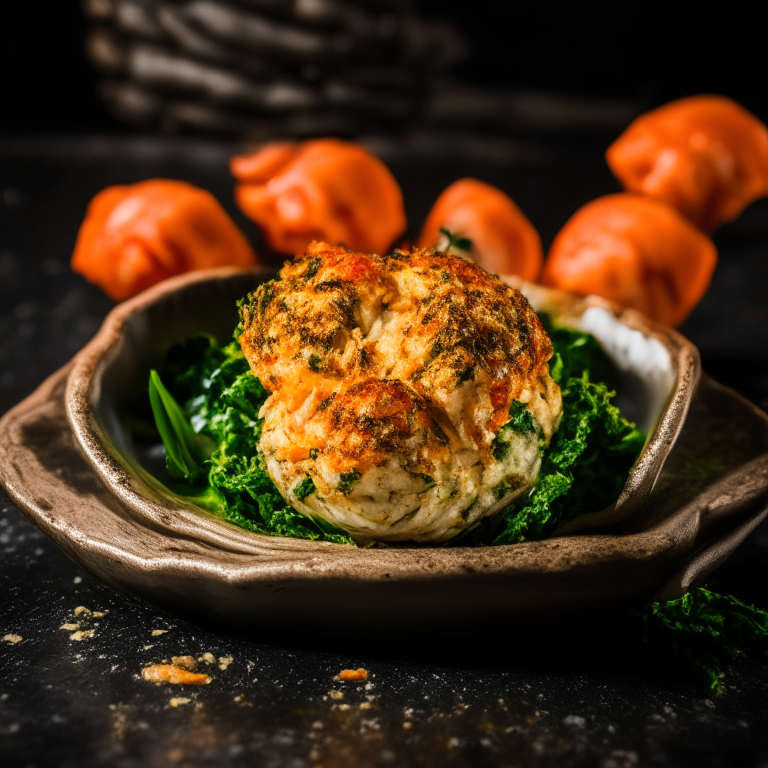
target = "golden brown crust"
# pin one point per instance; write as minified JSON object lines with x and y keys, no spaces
{"x":309,"y":314}
{"x":459,"y":323}
{"x":375,"y":418}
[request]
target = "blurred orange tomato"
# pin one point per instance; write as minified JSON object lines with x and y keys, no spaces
{"x":325,"y":189}
{"x":501,"y":239}
{"x":134,"y":236}
{"x":636,"y":252}
{"x":706,"y":156}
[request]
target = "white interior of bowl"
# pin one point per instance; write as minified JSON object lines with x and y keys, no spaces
{"x":642,"y":359}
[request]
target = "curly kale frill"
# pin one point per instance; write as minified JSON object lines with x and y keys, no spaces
{"x":586,"y":464}
{"x":708,"y":631}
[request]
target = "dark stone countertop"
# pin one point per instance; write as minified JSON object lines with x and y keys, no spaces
{"x":589,"y":694}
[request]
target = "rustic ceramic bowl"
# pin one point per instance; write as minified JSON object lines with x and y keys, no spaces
{"x":658,"y":370}
{"x":131,"y":532}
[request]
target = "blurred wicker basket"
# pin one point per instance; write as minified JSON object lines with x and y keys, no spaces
{"x":265,"y":68}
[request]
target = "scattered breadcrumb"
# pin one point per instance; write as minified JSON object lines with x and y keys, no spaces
{"x":13,"y":639}
{"x":365,"y":705}
{"x":184,"y":662}
{"x":178,"y":701}
{"x":336,"y":694}
{"x":167,"y":673}
{"x":407,"y":725}
{"x":208,"y":658}
{"x":86,"y":626}
{"x":157,"y":632}
{"x":353,"y":675}
{"x":224,"y":662}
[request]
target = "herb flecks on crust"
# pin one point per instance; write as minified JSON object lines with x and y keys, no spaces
{"x":395,"y":368}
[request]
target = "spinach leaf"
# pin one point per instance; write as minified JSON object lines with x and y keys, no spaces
{"x":185,"y":450}
{"x":222,"y":405}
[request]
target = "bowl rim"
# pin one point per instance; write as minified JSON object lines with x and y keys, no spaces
{"x":159,"y":511}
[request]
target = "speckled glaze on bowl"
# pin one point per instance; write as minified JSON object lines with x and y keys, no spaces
{"x":76,"y":474}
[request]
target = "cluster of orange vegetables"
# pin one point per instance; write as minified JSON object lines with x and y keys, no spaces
{"x":687,"y":167}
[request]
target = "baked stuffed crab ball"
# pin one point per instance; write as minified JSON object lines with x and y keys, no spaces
{"x":410,"y":393}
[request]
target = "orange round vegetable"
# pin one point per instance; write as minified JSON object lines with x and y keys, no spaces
{"x":636,"y":252}
{"x":706,"y":156}
{"x":325,"y":189}
{"x":501,"y":239}
{"x":134,"y":236}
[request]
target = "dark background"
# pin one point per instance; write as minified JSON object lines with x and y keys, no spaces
{"x":586,"y":696}
{"x":648,"y":53}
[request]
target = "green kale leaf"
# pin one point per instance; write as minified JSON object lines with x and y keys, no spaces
{"x":584,"y":468}
{"x":575,"y":353}
{"x":707,"y":631}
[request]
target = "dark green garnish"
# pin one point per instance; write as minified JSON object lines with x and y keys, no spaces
{"x":521,"y":421}
{"x":347,"y":481}
{"x":707,"y":631}
{"x":456,"y":241}
{"x":576,"y":352}
{"x":429,"y":482}
{"x":584,"y":468}
{"x":313,"y":453}
{"x":437,"y":349}
{"x":505,"y":487}
{"x":587,"y":462}
{"x":312,"y":267}
{"x":314,"y":361}
{"x":304,"y":488}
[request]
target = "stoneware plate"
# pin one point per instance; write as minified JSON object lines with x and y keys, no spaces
{"x":68,"y":460}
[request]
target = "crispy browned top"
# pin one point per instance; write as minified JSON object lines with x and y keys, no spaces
{"x":421,"y":321}
{"x":377,"y":418}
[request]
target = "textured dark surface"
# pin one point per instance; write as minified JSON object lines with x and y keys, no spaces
{"x":586,"y":695}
